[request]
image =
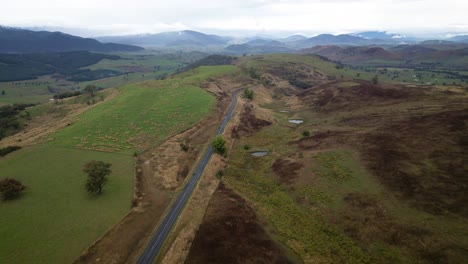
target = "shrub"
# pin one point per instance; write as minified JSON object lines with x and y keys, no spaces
{"x":219,"y":145}
{"x":7,"y":150}
{"x":306,"y":133}
{"x":248,"y":93}
{"x":10,"y":188}
{"x":219,"y":174}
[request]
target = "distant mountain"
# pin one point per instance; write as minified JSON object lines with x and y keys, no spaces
{"x":377,"y":35}
{"x":265,"y":42}
{"x":176,"y":38}
{"x":293,"y":38}
{"x":13,"y":40}
{"x":245,"y":48}
{"x":341,"y":40}
{"x":462,"y":38}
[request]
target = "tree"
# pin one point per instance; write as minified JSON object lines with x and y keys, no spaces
{"x":90,"y":89}
{"x":10,"y":188}
{"x":3,"y":92}
{"x":97,"y":175}
{"x":248,"y":93}
{"x":219,"y":145}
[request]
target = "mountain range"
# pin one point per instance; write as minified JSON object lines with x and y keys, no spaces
{"x":169,"y":39}
{"x":14,"y":40}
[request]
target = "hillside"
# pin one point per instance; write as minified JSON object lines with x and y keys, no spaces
{"x":353,"y":54}
{"x":15,"y":67}
{"x":13,"y":40}
{"x":374,"y":174}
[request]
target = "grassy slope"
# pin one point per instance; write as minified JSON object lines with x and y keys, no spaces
{"x":55,"y":219}
{"x":305,"y":232}
{"x":143,"y":115}
{"x":396,"y":75}
{"x":141,"y":68}
{"x":331,"y":187}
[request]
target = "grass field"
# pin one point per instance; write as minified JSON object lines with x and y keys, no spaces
{"x":55,"y":219}
{"x":143,"y":115}
{"x":134,"y":67}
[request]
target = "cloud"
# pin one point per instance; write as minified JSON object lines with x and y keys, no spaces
{"x":253,"y":16}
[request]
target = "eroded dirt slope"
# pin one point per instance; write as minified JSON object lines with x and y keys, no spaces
{"x":232,"y":233}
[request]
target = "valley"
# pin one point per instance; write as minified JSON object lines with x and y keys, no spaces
{"x":335,"y":149}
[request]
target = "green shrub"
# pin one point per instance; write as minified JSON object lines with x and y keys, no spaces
{"x":219,"y":146}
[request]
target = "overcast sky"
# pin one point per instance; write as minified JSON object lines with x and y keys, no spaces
{"x":240,"y":17}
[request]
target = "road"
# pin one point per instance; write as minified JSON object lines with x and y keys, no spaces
{"x":157,"y":241}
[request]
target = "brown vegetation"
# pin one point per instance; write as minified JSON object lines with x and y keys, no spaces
{"x":374,"y":223}
{"x":286,"y":169}
{"x":231,"y":233}
{"x":424,"y":159}
{"x":249,"y":123}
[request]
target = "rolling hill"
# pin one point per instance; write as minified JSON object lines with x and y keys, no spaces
{"x":353,"y":54}
{"x":14,"y":40}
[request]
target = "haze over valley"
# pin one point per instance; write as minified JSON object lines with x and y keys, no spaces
{"x":260,"y":131}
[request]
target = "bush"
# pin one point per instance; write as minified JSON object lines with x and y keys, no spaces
{"x":219,"y":145}
{"x":306,"y":133}
{"x":219,"y":174}
{"x":7,"y":150}
{"x":10,"y":188}
{"x":249,"y":94}
{"x":246,"y":147}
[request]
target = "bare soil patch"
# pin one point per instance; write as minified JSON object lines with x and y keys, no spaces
{"x":322,"y":139}
{"x":286,"y":169}
{"x":249,"y":123}
{"x":231,"y":233}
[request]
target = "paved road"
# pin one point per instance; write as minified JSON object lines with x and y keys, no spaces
{"x":170,"y":220}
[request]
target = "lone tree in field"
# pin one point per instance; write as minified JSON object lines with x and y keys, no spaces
{"x":249,"y":94}
{"x":219,"y":145}
{"x":97,"y":175}
{"x":10,"y":188}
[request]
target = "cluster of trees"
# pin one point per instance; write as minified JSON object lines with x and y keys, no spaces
{"x":17,"y":67}
{"x":9,"y":122}
{"x":66,"y":95}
